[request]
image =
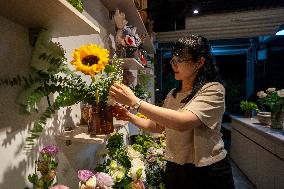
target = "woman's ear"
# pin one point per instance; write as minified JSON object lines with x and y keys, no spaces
{"x":201,"y":62}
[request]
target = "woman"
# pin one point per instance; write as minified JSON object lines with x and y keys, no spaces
{"x":191,"y":116}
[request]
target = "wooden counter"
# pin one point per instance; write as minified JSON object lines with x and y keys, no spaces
{"x":259,"y":152}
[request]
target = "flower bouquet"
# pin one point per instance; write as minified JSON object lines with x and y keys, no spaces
{"x":141,"y":163}
{"x":51,"y":75}
{"x":44,"y":176}
{"x":274,"y":100}
{"x":93,"y":61}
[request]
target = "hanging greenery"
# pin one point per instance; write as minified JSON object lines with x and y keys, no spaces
{"x":78,"y":4}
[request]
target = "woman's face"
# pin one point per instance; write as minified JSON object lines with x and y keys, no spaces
{"x":184,"y":69}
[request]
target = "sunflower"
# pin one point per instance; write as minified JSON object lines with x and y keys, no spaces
{"x":90,"y":59}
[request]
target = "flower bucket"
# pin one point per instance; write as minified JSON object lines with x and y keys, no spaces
{"x":100,"y":120}
{"x":277,"y":120}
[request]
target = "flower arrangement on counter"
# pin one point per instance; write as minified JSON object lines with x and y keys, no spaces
{"x":52,"y":75}
{"x":142,"y":162}
{"x":272,"y":98}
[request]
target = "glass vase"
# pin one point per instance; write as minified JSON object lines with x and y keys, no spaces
{"x":277,"y":119}
{"x":100,"y":120}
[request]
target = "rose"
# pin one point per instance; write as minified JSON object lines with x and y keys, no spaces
{"x":270,"y":90}
{"x":84,"y":175}
{"x":104,"y":180}
{"x":51,"y":150}
{"x":90,"y":184}
{"x":280,"y":93}
{"x":261,"y":94}
{"x":133,"y":154}
{"x":59,"y":187}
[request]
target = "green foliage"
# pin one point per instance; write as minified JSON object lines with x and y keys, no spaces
{"x":247,"y":106}
{"x":142,"y":143}
{"x":78,"y":4}
{"x":115,"y":150}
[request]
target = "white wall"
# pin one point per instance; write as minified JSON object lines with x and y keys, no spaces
{"x":15,"y":54}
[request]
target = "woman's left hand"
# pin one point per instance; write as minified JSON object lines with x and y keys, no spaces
{"x":123,"y":94}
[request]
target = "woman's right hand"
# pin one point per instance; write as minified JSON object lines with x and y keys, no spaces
{"x":121,"y":113}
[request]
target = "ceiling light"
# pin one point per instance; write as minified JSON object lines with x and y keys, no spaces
{"x":195,"y":11}
{"x":280,"y":30}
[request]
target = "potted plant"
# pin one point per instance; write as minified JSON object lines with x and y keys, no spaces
{"x":248,"y":107}
{"x":274,"y":99}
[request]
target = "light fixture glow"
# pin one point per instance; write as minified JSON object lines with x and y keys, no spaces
{"x":195,"y":11}
{"x":280,"y":31}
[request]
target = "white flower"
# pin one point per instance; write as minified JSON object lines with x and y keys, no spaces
{"x":270,"y":90}
{"x":117,"y":175}
{"x":261,"y":94}
{"x":280,"y":93}
{"x":133,"y":154}
{"x":137,"y":170}
{"x":91,"y":182}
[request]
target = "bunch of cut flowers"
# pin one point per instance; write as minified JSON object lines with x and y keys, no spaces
{"x":44,"y":176}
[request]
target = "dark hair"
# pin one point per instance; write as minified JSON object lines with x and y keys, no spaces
{"x":195,"y":47}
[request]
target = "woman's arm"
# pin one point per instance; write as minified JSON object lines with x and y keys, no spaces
{"x":145,"y":124}
{"x":162,"y":116}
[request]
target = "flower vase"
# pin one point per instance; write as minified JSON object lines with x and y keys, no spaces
{"x":100,"y":120}
{"x":248,"y":114}
{"x":277,"y":119}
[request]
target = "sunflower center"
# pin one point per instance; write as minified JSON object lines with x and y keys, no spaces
{"x":90,"y":60}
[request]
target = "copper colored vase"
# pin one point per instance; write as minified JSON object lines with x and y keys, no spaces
{"x":100,"y":120}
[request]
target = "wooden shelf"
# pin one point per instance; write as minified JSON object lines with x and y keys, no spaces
{"x":131,"y":64}
{"x":58,"y":16}
{"x":133,"y":18}
{"x":80,"y":134}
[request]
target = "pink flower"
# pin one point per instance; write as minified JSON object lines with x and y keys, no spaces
{"x":104,"y":180}
{"x":84,"y":175}
{"x":59,"y":187}
{"x":51,"y":150}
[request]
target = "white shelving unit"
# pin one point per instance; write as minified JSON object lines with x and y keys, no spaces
{"x":131,"y":64}
{"x":133,"y":18}
{"x":55,"y":15}
{"x":80,"y":134}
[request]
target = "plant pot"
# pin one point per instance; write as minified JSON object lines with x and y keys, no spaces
{"x":100,"y":120}
{"x":264,"y":118}
{"x":277,"y":119}
{"x":248,"y":114}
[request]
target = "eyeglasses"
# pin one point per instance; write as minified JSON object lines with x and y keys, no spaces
{"x":177,"y":61}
